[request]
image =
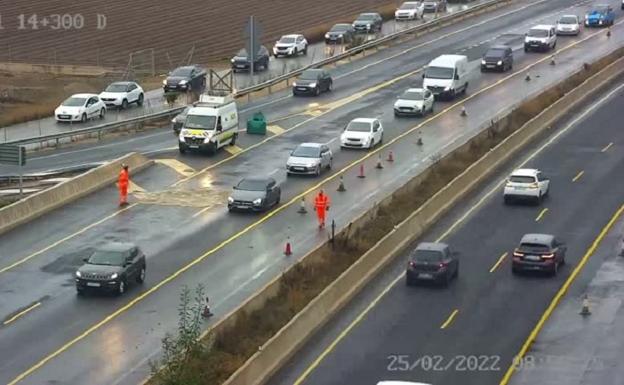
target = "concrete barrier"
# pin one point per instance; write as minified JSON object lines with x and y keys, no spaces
{"x":45,"y":201}
{"x":275,"y":353}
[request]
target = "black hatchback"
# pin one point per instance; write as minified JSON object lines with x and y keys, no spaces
{"x":255,"y":194}
{"x":498,"y":58}
{"x":186,"y":78}
{"x":432,"y":262}
{"x":242,"y":62}
{"x":312,"y":82}
{"x":538,"y":252}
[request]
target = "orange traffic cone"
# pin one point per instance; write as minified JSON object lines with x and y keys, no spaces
{"x":361,"y":175}
{"x":390,"y":157}
{"x":288,"y":250}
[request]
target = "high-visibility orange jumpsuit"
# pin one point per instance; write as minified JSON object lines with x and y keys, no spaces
{"x":321,"y":205}
{"x":122,"y":183}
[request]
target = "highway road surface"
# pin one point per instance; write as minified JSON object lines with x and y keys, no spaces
{"x":470,"y":332}
{"x":185,"y":230}
{"x":155,"y":102}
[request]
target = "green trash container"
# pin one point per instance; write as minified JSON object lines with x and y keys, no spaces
{"x":257,"y":124}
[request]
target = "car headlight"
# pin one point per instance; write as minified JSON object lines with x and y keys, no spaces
{"x":326,"y":36}
{"x":183,"y":81}
{"x":447,"y":88}
{"x":78,"y":274}
{"x":232,"y":60}
{"x":164,"y":82}
{"x":114,"y":276}
{"x":230,"y":200}
{"x":294,"y":84}
{"x":586,"y":17}
{"x":312,"y":85}
{"x":257,"y":202}
{"x":341,"y":35}
{"x":483,"y":61}
{"x":600,"y":21}
{"x":500,"y":62}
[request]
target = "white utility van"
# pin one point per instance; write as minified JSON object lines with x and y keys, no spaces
{"x":210,"y":124}
{"x":446,"y":75}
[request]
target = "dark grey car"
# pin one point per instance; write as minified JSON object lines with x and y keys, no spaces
{"x":242,"y":62}
{"x":368,"y":22}
{"x":434,"y":5}
{"x":178,"y":121}
{"x":499,"y":57}
{"x":432,"y":262}
{"x":539,"y":252}
{"x":186,"y":78}
{"x":111,"y":268}
{"x":255,"y":194}
{"x":340,"y":34}
{"x":312,"y":82}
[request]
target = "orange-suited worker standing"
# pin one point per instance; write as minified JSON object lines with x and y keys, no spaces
{"x":122,"y":184}
{"x":321,"y":205}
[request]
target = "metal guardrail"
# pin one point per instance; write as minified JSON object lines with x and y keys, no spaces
{"x":247,"y":91}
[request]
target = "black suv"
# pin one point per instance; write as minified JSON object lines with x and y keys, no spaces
{"x":498,"y":57}
{"x":241,"y":61}
{"x":111,"y":268}
{"x":340,"y":34}
{"x":538,"y":252}
{"x":312,"y":82}
{"x":368,"y":22}
{"x":185,"y":78}
{"x":432,"y":262}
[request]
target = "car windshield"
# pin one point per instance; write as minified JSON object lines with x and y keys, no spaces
{"x":538,"y":33}
{"x":75,"y":102}
{"x":309,"y":75}
{"x":203,"y":122}
{"x":413,"y":95}
{"x":359,"y":127}
{"x":495,"y":53}
{"x":116,"y":87}
{"x":339,"y":28}
{"x":521,"y":179}
{"x":107,"y":258}
{"x":307,"y":152}
{"x":287,"y":40}
{"x":427,"y":256}
{"x":242,"y":53}
{"x":251,"y":185}
{"x":366,"y":16}
{"x":408,"y":6}
{"x":534,"y":248}
{"x":181,"y":72}
{"x":568,"y":20}
{"x":439,"y":73}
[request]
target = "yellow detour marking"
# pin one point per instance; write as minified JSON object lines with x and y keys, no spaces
{"x":277,"y":130}
{"x":180,"y":167}
{"x":233,"y":149}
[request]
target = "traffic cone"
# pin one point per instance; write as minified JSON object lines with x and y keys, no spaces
{"x":419,"y":141}
{"x":609,"y":32}
{"x":585,"y":309}
{"x":341,"y":186}
{"x":528,"y":77}
{"x":302,"y":208}
{"x":288,"y":250}
{"x":361,"y":175}
{"x":390,"y":157}
{"x":379,"y":165}
{"x":552,"y":60}
{"x":463,"y":111}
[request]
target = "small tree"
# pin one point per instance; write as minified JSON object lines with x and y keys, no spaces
{"x":180,"y":350}
{"x":171,"y":97}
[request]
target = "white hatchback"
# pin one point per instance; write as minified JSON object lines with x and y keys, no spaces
{"x":362,"y":133}
{"x":414,"y":101}
{"x":568,"y":25}
{"x":80,"y":108}
{"x":526,"y":183}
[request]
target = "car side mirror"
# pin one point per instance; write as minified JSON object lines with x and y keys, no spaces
{"x":423,"y":76}
{"x":85,"y":259}
{"x":456,"y":77}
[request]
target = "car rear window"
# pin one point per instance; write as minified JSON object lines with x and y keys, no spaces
{"x":427,"y":256}
{"x":534,"y":248}
{"x":522,"y":179}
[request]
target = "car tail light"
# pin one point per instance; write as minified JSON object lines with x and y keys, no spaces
{"x":533,"y":185}
{"x":548,"y":256}
{"x":442,"y":265}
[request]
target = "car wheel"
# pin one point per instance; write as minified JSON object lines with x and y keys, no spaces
{"x":121,"y":288}
{"x":83,"y":118}
{"x":526,"y":49}
{"x":305,"y":50}
{"x":409,"y":281}
{"x":277,"y":201}
{"x":182,"y":149}
{"x":506,"y":200}
{"x":554,"y":45}
{"x":213,"y":148}
{"x":102,"y":113}
{"x":563,"y":261}
{"x":233,"y":141}
{"x":124,"y":104}
{"x":431,"y":109}
{"x":330,"y":86}
{"x":423,"y":111}
{"x":295,"y":52}
{"x":317,"y":172}
{"x":539,"y":198}
{"x":79,"y":291}
{"x":141,"y":277}
{"x":329,"y":165}
{"x":203,"y":82}
{"x":140,"y":100}
{"x":456,"y":273}
{"x":465,"y":89}
{"x":447,"y":279}
{"x":317,"y":91}
{"x":555,"y":270}
{"x":381,"y":138}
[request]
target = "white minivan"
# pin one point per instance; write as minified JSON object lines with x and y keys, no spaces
{"x":446,"y":75}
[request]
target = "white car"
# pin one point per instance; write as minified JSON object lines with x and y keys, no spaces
{"x":526,"y":183}
{"x":410,"y":10}
{"x":568,"y":25}
{"x":121,"y":94}
{"x":362,"y":133}
{"x":414,"y":101}
{"x":80,"y":108}
{"x":540,"y":38}
{"x":309,"y":159}
{"x":290,"y":45}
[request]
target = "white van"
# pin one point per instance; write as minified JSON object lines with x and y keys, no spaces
{"x":210,"y":124}
{"x":447,"y":75}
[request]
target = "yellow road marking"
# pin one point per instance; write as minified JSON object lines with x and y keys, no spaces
{"x":233,"y":149}
{"x":277,"y":130}
{"x":452,"y":228}
{"x":500,"y":260}
{"x":178,"y":166}
{"x":578,"y":176}
{"x":607,"y":147}
{"x":450,"y":319}
{"x":541,"y":215}
{"x":295,"y":200}
{"x":555,"y":301}
{"x":133,"y":187}
{"x":314,"y":113}
{"x":20,"y":314}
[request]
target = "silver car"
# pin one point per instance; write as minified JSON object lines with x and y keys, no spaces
{"x":309,"y":159}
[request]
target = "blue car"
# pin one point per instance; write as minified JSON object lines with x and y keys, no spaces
{"x":600,"y":16}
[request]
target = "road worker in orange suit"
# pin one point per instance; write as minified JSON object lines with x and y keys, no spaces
{"x":122,"y":183}
{"x":321,"y":205}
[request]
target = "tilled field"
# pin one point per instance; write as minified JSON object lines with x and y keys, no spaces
{"x":208,"y":30}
